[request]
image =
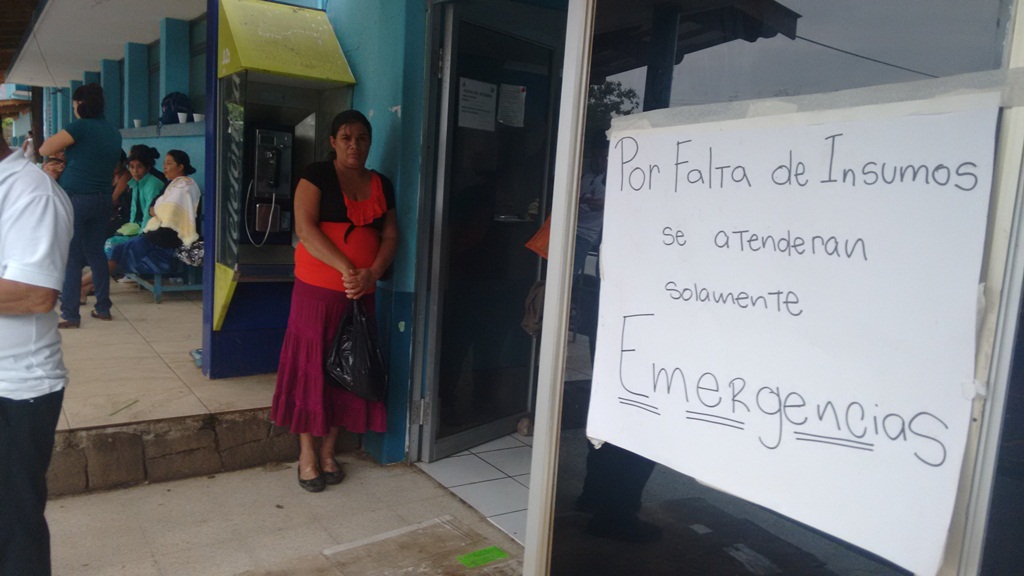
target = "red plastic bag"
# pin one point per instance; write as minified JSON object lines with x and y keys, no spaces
{"x":539,"y":242}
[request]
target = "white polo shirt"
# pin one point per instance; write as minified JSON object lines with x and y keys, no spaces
{"x":35,"y":231}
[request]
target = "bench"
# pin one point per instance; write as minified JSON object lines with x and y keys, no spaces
{"x":173,"y":276}
{"x":181,"y":278}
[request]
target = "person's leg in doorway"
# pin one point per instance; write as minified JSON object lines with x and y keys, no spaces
{"x":613,"y":490}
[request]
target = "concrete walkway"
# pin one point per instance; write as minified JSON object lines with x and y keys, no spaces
{"x":255,"y":522}
{"x":136,"y":372}
{"x":138,"y":367}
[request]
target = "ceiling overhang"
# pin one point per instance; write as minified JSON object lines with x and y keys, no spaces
{"x":622,"y":33}
{"x":68,"y":37}
{"x":279,"y":40}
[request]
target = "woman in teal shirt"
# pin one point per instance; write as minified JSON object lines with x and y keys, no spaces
{"x":92,"y":148}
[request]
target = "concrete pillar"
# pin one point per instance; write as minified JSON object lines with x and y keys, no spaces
{"x":662,"y":57}
{"x":91,"y":78}
{"x":136,"y":83}
{"x":110,"y":79}
{"x":174,"y":56}
{"x":50,"y":107}
{"x":69,"y":112}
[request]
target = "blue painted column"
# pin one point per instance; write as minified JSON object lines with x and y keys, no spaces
{"x":384,"y":42}
{"x":136,"y":83}
{"x":91,"y":77}
{"x":174,"y":56}
{"x":69,"y":113}
{"x":110,"y":79}
{"x":60,"y":105}
{"x":50,"y":111}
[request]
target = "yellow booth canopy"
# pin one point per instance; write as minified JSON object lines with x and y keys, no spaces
{"x":278,"y":39}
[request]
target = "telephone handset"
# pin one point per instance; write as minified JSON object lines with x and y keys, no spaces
{"x":268,"y":169}
{"x":269,"y":185}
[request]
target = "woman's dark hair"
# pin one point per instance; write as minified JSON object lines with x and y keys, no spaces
{"x":348,"y":117}
{"x":182,"y":158}
{"x":90,"y":100}
{"x":145,"y":155}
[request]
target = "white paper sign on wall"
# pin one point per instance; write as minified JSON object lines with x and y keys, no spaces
{"x":788,"y":313}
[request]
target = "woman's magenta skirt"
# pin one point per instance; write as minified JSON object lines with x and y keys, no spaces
{"x":303,"y":401}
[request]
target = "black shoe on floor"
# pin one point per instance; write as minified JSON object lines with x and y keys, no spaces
{"x":332,"y":478}
{"x":631,"y":529}
{"x":312,"y":485}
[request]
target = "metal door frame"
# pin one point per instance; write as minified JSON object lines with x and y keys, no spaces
{"x":442,"y":96}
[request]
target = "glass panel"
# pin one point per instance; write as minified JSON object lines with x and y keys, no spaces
{"x":1005,"y":529}
{"x":616,"y":512}
{"x":493,"y":204}
{"x":800,"y":46}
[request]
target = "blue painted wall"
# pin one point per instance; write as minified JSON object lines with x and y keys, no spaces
{"x":384,"y":43}
{"x":194,"y":146}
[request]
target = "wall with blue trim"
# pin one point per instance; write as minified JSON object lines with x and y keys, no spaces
{"x":193,"y":145}
{"x":384,"y":43}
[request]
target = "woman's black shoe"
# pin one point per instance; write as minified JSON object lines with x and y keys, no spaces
{"x":313,"y":485}
{"x":335,"y":477}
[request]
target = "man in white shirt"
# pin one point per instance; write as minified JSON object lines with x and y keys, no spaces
{"x":28,"y":147}
{"x":35,"y":232}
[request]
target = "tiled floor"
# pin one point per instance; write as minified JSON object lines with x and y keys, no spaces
{"x":493,"y":478}
{"x":138,"y":366}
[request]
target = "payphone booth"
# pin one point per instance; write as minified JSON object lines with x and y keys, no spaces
{"x":281,"y":79}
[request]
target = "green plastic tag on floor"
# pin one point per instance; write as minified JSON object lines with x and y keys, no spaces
{"x":481,"y":557}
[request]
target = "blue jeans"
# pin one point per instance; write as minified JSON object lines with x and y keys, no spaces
{"x":26,"y":445}
{"x":92,"y":212}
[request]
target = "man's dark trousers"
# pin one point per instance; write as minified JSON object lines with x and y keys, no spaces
{"x":26,"y":445}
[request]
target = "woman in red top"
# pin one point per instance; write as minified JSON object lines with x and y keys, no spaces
{"x":348,"y":232}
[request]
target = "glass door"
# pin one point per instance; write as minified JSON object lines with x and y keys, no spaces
{"x":491,"y":196}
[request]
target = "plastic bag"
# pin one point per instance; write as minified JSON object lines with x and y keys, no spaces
{"x":354,"y":361}
{"x":539,"y":242}
{"x":129,"y":229}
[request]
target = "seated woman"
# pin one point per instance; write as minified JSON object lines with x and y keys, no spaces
{"x":172,"y":223}
{"x":149,"y":156}
{"x":120,"y":201}
{"x":145,"y":187}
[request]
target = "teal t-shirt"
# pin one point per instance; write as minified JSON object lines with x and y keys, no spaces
{"x":92,"y":158}
{"x":143,"y":193}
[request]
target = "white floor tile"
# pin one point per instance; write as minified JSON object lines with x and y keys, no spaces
{"x":499,"y":444}
{"x":528,"y":440}
{"x":494,"y":497}
{"x":523,"y":479}
{"x":513,"y":524}
{"x":512,"y":461}
{"x":460,"y":470}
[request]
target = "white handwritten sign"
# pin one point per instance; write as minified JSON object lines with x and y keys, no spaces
{"x":477,"y":104}
{"x":788,"y":314}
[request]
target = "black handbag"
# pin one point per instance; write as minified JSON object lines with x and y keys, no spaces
{"x":354,"y":361}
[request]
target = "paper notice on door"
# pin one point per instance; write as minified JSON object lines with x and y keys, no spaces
{"x":477,"y":104}
{"x":512,"y":105}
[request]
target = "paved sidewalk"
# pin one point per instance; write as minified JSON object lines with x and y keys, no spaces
{"x":138,"y":367}
{"x":255,"y":522}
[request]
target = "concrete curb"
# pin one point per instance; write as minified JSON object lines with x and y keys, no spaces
{"x":102,"y":458}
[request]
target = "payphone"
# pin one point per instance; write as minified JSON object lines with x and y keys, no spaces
{"x":268,"y":199}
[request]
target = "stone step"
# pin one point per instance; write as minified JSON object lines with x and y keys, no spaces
{"x":118,"y":456}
